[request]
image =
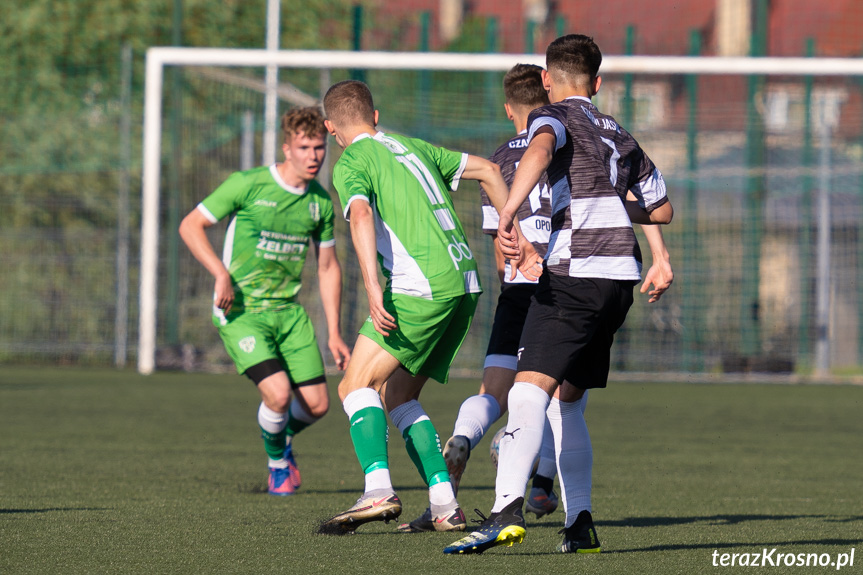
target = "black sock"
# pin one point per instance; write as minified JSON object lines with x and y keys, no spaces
{"x":544,"y":483}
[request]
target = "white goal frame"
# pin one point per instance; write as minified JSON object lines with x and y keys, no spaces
{"x":158,"y":58}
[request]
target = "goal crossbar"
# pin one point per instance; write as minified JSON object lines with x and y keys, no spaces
{"x":159,"y":57}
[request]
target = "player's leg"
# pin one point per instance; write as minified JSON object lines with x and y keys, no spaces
{"x":528,"y":401}
{"x":250,"y":342}
{"x":274,"y":387}
{"x":553,"y":333}
{"x":305,"y":367}
{"x":572,"y":439}
{"x":423,"y":446}
{"x":575,"y":463}
{"x":441,"y":329}
{"x":370,"y":366}
{"x":542,"y":499}
{"x":309,"y":403}
{"x":479,"y":412}
{"x":476,"y":416}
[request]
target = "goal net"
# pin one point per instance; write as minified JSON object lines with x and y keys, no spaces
{"x":761,"y":156}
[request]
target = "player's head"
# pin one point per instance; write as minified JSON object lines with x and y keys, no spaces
{"x":522,"y":86}
{"x":308,"y":121}
{"x":349,"y":104}
{"x":305,"y":143}
{"x":523,"y":91}
{"x":573,"y":60}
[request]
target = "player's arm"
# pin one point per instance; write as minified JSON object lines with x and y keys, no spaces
{"x":499,"y":260}
{"x":330,"y":286}
{"x":363,"y":234}
{"x":192,"y":230}
{"x":533,"y":164}
{"x":661,"y":215}
{"x":648,"y":191}
{"x":660,"y":273}
{"x":487,"y":173}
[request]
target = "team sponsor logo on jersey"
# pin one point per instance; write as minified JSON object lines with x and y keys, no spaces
{"x":458,"y":251}
{"x":518,"y":143}
{"x":295,"y":246}
{"x":247,"y":344}
{"x":315,"y":211}
{"x":266,"y":203}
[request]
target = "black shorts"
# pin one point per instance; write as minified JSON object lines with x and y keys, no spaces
{"x":570,"y":327}
{"x":509,"y":316}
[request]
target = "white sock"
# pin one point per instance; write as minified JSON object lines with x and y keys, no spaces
{"x":575,"y":455}
{"x":475,"y":416}
{"x":547,"y":466}
{"x":361,"y":399}
{"x":441,"y":494}
{"x":271,"y":421}
{"x":407,"y":414}
{"x":379,"y":479}
{"x":521,"y":442}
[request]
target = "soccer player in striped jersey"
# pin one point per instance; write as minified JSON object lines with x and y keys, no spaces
{"x":523,"y":91}
{"x":395,"y":191}
{"x":591,"y":267}
{"x":276,"y":213}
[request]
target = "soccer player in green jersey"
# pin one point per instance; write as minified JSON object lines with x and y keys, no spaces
{"x":276,"y":213}
{"x":395,"y":191}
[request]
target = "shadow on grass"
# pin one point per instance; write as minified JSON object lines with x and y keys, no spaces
{"x":739,"y":545}
{"x":797,"y":544}
{"x":261,"y":488}
{"x":708,"y":519}
{"x":51,"y":510}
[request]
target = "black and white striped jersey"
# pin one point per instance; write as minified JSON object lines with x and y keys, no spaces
{"x":594,"y":164}
{"x":534,"y":215}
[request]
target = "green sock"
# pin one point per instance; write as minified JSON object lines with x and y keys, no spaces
{"x":369,"y":433}
{"x":295,"y":425}
{"x":423,"y":445}
{"x":274,"y":444}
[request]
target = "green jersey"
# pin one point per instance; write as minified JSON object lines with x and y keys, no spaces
{"x":422,"y":248}
{"x":268,"y":236}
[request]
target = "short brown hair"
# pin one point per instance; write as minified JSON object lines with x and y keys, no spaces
{"x":309,"y":121}
{"x":522,"y":86}
{"x":572,"y":56}
{"x":350,"y":103}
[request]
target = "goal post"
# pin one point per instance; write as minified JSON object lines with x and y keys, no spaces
{"x":157,"y":59}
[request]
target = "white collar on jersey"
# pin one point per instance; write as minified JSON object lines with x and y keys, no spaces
{"x":364,"y":135}
{"x":579,"y":98}
{"x":274,"y":171}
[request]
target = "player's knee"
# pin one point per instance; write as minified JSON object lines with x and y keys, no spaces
{"x":318,"y":409}
{"x":277,"y":399}
{"x":280,"y":404}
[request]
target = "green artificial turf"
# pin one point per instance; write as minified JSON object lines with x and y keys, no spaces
{"x":113,"y":472}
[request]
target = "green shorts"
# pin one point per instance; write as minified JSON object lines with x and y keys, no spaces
{"x":429,"y":333}
{"x":287,"y":336}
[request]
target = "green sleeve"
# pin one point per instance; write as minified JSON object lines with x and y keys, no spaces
{"x":228,"y":197}
{"x":351,"y":181}
{"x":450,"y":164}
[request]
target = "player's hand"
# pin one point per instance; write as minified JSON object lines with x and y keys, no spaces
{"x":224,"y":293}
{"x":660,"y":275}
{"x":381,"y":318}
{"x":530,"y":264}
{"x":508,"y":237}
{"x":340,"y":350}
